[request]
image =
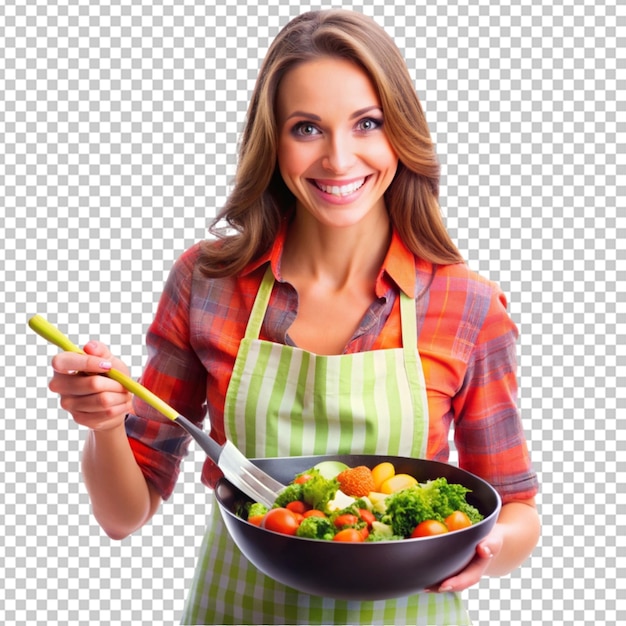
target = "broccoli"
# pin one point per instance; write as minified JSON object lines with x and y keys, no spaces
{"x":406,"y":509}
{"x":290,"y":493}
{"x":447,"y":498}
{"x":319,"y":491}
{"x":256,"y":508}
{"x":316,"y":528}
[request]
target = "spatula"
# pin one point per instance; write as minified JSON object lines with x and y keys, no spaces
{"x":237,"y":468}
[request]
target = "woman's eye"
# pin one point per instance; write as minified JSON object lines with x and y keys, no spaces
{"x":305,"y":129}
{"x":369,"y":123}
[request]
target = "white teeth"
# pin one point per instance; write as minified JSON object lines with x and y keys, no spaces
{"x":344,"y":190}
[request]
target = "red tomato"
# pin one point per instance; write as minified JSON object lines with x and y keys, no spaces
{"x":256,"y":519}
{"x":367,"y":516}
{"x":347,"y":519}
{"x":351,"y":535}
{"x":428,"y":528}
{"x":302,"y":479}
{"x":315,"y":513}
{"x":297,"y":506}
{"x":365,"y":532}
{"x":457,"y":520}
{"x":281,"y":520}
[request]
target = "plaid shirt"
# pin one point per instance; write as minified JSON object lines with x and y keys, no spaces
{"x":467,"y":344}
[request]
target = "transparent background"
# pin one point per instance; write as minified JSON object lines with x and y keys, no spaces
{"x":118,"y":129}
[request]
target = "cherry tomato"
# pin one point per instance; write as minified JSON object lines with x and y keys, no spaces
{"x":302,"y":479}
{"x":428,"y":528}
{"x":365,"y":532}
{"x":281,"y":520}
{"x":315,"y":513}
{"x":297,"y":506}
{"x":457,"y":520}
{"x":367,"y":516}
{"x":351,"y":535}
{"x":256,"y":519}
{"x":347,"y":519}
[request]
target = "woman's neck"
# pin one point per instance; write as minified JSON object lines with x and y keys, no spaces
{"x":339,"y":257}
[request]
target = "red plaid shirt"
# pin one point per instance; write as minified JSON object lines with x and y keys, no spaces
{"x":467,"y":344}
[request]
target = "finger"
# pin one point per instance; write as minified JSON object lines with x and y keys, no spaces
{"x":105,"y":403}
{"x":71,"y":362}
{"x":94,"y":416}
{"x":97,"y":348}
{"x":471,"y":574}
{"x":67,"y":384}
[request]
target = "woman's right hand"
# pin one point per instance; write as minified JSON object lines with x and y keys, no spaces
{"x":97,"y":402}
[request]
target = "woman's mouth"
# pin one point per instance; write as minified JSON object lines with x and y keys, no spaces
{"x":342,"y":190}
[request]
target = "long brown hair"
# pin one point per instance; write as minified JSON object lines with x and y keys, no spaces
{"x":251,"y":218}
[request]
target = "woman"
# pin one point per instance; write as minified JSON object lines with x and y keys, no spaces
{"x":336,"y":260}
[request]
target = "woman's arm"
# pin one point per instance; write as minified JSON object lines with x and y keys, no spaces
{"x":121,"y":498}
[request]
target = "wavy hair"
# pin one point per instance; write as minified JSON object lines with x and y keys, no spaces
{"x":247,"y":225}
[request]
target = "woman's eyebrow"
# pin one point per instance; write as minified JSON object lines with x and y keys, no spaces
{"x":317,"y":118}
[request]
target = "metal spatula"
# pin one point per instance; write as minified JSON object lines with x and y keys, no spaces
{"x":238,"y":469}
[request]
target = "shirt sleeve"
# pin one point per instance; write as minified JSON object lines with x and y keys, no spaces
{"x":175,"y":374}
{"x":489,"y":434}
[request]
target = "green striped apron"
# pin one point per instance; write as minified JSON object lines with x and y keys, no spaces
{"x":283,"y":401}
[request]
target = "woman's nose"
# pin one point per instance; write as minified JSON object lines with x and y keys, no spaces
{"x":340,"y":155}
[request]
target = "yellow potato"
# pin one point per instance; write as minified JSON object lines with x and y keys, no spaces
{"x":381,"y":473}
{"x":397,"y":483}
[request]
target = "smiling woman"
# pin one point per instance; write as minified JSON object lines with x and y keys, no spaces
{"x":334,"y":316}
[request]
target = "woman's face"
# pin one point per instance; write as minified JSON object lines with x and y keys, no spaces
{"x":333,"y":153}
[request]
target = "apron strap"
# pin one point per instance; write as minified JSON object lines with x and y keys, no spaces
{"x":413,"y":366}
{"x":253,"y":329}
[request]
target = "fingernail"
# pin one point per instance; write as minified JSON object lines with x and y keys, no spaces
{"x":105,"y":365}
{"x":72,"y":372}
{"x":445,"y":589}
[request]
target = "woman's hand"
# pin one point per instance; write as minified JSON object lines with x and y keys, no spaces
{"x":97,"y":402}
{"x":510,"y":542}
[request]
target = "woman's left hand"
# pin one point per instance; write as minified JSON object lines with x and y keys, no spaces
{"x":486,"y":550}
{"x":510,"y":542}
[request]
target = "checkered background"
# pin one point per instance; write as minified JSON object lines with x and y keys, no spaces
{"x":118,"y":129}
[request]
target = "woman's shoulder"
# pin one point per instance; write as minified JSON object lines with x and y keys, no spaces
{"x":470,"y":293}
{"x":459,"y":278}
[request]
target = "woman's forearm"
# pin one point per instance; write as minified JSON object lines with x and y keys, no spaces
{"x":519,"y":526}
{"x":121,"y":499}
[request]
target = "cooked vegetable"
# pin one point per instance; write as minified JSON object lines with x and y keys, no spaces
{"x":256,"y":509}
{"x":330,"y":469}
{"x":356,"y":481}
{"x":382,"y":532}
{"x":281,"y":521}
{"x":314,"y":527}
{"x":428,"y":528}
{"x":397,"y":483}
{"x":351,"y":535}
{"x":457,"y":521}
{"x":381,"y":473}
{"x":447,"y":498}
{"x":291,"y":493}
{"x":406,"y":509}
{"x":315,"y":505}
{"x":318,"y":491}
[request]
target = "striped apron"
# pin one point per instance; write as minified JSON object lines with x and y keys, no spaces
{"x":283,"y":401}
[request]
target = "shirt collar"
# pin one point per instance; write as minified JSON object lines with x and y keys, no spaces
{"x":398,"y":266}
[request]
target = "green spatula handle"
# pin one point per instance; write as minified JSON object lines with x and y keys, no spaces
{"x":52,"y":334}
